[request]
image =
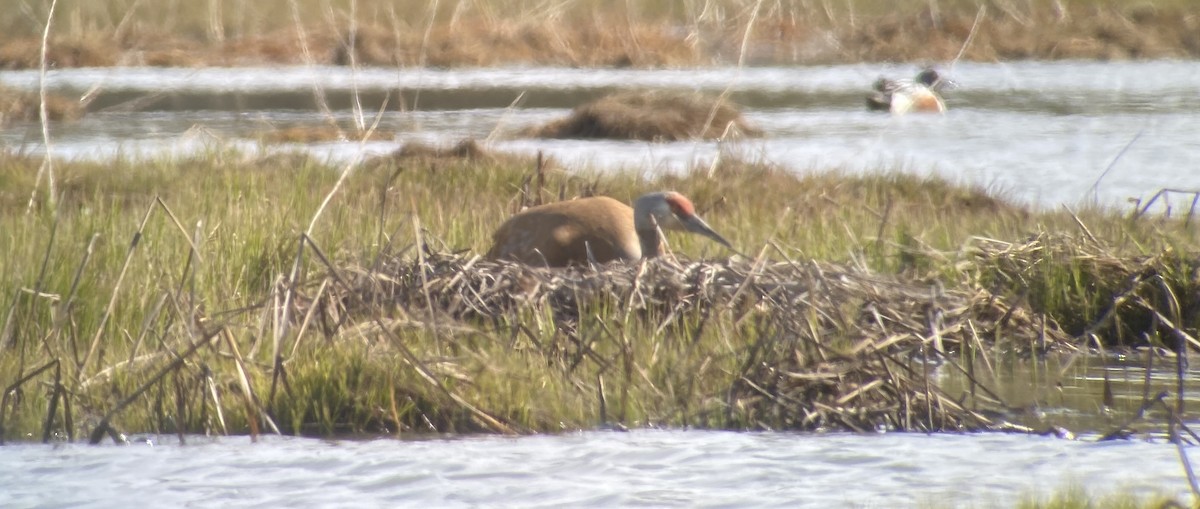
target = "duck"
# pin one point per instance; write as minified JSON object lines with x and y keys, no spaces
{"x":596,"y":229}
{"x":899,"y":97}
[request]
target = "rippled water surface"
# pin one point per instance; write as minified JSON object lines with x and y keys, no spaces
{"x":1042,"y":132}
{"x":1070,"y":391}
{"x":594,"y":469}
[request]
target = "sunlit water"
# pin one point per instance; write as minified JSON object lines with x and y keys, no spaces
{"x":1042,"y":132}
{"x":593,"y":469}
{"x":1068,"y":391}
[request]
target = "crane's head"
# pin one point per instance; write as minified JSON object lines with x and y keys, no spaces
{"x":671,"y":211}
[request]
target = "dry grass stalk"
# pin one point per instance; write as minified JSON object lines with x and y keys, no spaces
{"x":585,"y":36}
{"x":1118,"y":299}
{"x":830,"y":347}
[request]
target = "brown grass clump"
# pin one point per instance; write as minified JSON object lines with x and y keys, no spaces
{"x":62,"y":52}
{"x":468,"y":150}
{"x":1108,"y":300}
{"x":21,"y":106}
{"x":472,"y":42}
{"x":1039,"y":31}
{"x":826,"y":347}
{"x":478,"y":42}
{"x":607,"y":34}
{"x":651,"y":116}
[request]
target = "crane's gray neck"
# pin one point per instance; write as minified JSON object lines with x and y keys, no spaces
{"x":649,"y":210}
{"x":650,"y":241}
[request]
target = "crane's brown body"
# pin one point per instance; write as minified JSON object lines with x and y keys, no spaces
{"x":595,"y":230}
{"x":557,"y":234}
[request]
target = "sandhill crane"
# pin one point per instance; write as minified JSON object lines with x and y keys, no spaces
{"x":598,"y":229}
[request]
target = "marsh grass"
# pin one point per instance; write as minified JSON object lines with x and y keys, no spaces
{"x":591,"y":33}
{"x":160,"y":297}
{"x":1075,"y":497}
{"x":1117,"y":301}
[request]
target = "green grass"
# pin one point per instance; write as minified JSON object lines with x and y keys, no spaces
{"x":62,"y":266}
{"x":1076,"y":497}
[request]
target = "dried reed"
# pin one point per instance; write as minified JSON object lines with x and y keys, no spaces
{"x":828,"y":347}
{"x":599,"y":34}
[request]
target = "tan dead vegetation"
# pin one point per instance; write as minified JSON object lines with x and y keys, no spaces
{"x":1042,"y":32}
{"x":23,"y":106}
{"x":1105,"y":299}
{"x":469,"y":43}
{"x":821,"y":346}
{"x":651,"y":116}
{"x":479,"y":43}
{"x":610,"y":38}
{"x":467,"y":150}
{"x":829,"y":347}
{"x":62,"y":52}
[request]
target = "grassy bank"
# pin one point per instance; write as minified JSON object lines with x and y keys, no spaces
{"x":1078,"y":498}
{"x":590,"y":33}
{"x":183,"y":295}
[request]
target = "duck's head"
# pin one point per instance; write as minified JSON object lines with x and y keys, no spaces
{"x":932,"y":79}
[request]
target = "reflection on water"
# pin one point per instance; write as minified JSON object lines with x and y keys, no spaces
{"x":1042,"y":132}
{"x":1070,"y":391}
{"x":594,"y":469}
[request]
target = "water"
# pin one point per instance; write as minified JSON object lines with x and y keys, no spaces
{"x":1042,"y":133}
{"x":594,"y":469}
{"x":1067,"y":391}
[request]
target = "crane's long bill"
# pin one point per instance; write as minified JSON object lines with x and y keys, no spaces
{"x":696,"y":225}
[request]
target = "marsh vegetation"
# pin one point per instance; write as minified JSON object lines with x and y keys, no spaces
{"x":644,"y":34}
{"x":243,"y":302}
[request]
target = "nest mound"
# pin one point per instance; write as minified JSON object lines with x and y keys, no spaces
{"x":826,"y":347}
{"x":651,"y":116}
